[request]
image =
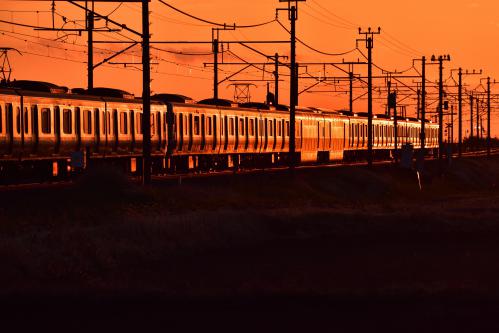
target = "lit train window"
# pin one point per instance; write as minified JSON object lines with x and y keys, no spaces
{"x":209,"y":125}
{"x":196,"y":125}
{"x":87,"y":122}
{"x":110,"y":127}
{"x":287,"y":129}
{"x":279,"y":129}
{"x":231,"y":126}
{"x":186,"y":128}
{"x":67,"y":121}
{"x":241,"y":127}
{"x":260,"y":127}
{"x":46,"y":121}
{"x":18,"y":120}
{"x":1,"y":119}
{"x":153,"y":124}
{"x":271,"y":128}
{"x":252,"y":127}
{"x":26,"y":120}
{"x":138,"y":121}
{"x":123,"y":123}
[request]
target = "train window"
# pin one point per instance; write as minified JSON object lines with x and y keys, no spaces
{"x":87,"y":122}
{"x":271,"y":128}
{"x":221,"y":126}
{"x":46,"y":121}
{"x":208,"y":125}
{"x":279,"y":128}
{"x":138,"y":122}
{"x":196,"y":125}
{"x":26,"y":120}
{"x":231,"y":126}
{"x":260,"y":126}
{"x":18,"y":120}
{"x":109,"y":123}
{"x":287,"y":129}
{"x":1,"y":119}
{"x":67,"y":121}
{"x":123,"y":123}
{"x":153,"y":124}
{"x":186,"y":128}
{"x":251,"y":127}
{"x":241,"y":127}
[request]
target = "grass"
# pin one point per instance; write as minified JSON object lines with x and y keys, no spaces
{"x":261,"y":233}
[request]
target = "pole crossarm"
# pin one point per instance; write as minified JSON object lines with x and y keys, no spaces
{"x":114,"y":55}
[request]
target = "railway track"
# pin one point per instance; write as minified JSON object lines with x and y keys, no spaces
{"x":179,"y":177}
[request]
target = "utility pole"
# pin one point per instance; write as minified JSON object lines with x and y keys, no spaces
{"x":293,"y":93}
{"x":423,"y":105}
{"x":350,"y":76}
{"x":471,"y":117}
{"x":441,"y":59}
{"x":477,"y":99}
{"x":215,"y":69}
{"x":488,"y":117}
{"x":146,"y":95}
{"x":276,"y":79}
{"x":369,"y":37}
{"x":460,"y":113}
{"x":90,"y":62}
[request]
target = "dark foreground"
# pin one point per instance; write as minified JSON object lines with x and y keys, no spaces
{"x":346,"y":249}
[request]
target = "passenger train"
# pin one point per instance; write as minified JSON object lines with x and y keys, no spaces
{"x":49,"y":130}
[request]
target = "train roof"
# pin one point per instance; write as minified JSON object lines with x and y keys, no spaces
{"x":173,"y":98}
{"x":39,"y":86}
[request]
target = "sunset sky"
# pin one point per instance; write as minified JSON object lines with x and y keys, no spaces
{"x":468,"y":30}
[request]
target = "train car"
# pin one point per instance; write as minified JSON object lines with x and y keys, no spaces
{"x":47,"y":128}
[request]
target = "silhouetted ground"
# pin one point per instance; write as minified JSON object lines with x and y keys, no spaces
{"x":345,"y":248}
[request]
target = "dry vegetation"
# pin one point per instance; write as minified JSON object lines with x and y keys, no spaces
{"x":337,"y":233}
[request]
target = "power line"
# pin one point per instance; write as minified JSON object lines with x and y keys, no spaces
{"x":215,"y":23}
{"x":314,"y":49}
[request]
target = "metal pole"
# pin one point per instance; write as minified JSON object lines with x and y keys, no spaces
{"x":215,"y":69}
{"x":440,"y":108}
{"x":146,"y":95}
{"x":350,"y":75}
{"x":292,"y":97}
{"x":90,"y":62}
{"x":488,"y":117}
{"x":418,"y":107}
{"x":276,"y":78}
{"x":423,"y":105}
{"x":478,"y":120}
{"x":369,"y":103}
{"x":471,"y":116}
{"x":388,"y":85}
{"x":395,"y":128}
{"x":451,"y":138}
{"x":460,"y":111}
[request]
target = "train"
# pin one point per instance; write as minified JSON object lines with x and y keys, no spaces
{"x":49,"y":130}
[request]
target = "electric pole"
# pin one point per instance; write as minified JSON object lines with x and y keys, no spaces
{"x":488,"y":117}
{"x":90,"y":62}
{"x":460,"y":113}
{"x":146,"y":95}
{"x":441,"y":59}
{"x":369,"y":37}
{"x":423,"y":105}
{"x":215,"y":69}
{"x":471,"y":117}
{"x":293,"y":93}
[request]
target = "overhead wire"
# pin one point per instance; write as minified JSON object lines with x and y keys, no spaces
{"x":214,"y":23}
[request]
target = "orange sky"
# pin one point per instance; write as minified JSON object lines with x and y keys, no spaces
{"x":468,"y":30}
